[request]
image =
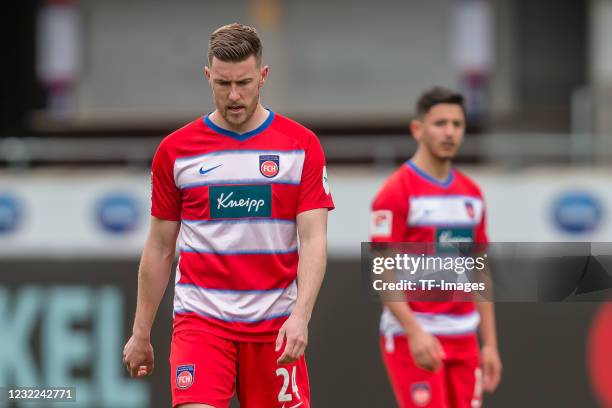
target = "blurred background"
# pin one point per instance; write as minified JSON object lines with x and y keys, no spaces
{"x":90,"y":87}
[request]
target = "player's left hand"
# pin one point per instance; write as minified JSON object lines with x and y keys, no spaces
{"x":491,"y":367}
{"x":294,"y":333}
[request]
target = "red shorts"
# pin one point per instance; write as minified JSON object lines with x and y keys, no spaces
{"x":207,"y":369}
{"x":458,"y":384}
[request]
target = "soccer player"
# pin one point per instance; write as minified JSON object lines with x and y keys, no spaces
{"x":430,"y":350}
{"x":238,"y":187}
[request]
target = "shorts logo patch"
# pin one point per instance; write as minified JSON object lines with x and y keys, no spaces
{"x":421,"y":393}
{"x":269,"y":165}
{"x":184,"y":376}
{"x":240,"y":201}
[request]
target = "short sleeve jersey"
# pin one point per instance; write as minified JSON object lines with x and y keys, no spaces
{"x":237,"y":197}
{"x":412,"y":206}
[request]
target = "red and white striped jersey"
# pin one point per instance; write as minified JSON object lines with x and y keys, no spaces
{"x":237,"y":197}
{"x":412,"y":206}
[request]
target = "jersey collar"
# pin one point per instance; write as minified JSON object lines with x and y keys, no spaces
{"x":421,"y":173}
{"x":240,"y":136}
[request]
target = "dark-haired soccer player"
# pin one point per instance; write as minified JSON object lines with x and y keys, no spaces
{"x":430,"y":349}
{"x":237,"y":187}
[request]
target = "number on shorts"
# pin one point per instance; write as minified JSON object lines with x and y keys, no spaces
{"x":294,"y":387}
{"x":282,"y":395}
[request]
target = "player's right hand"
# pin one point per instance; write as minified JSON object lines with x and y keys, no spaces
{"x":426,"y":350}
{"x":294,"y":333}
{"x":138,"y":357}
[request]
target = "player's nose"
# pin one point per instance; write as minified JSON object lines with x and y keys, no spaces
{"x":450,"y":130}
{"x":234,"y":95}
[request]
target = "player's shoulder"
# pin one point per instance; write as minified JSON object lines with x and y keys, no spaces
{"x":466,"y":181}
{"x":394,"y":185}
{"x":180,"y":135}
{"x":293,"y":129}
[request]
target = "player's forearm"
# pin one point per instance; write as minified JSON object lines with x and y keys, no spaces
{"x":488,"y":332}
{"x":153,"y":275}
{"x":311,"y":270}
{"x":405,"y":316}
{"x":396,"y":302}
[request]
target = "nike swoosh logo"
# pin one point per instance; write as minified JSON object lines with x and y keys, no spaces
{"x":203,"y":172}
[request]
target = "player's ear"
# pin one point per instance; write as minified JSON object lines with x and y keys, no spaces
{"x":207,"y":73}
{"x":264,"y":75}
{"x":416,"y":129}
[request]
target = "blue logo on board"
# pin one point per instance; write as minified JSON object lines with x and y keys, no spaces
{"x":10,"y":214}
{"x":118,"y":213}
{"x":577,"y":212}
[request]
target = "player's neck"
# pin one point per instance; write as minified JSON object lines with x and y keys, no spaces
{"x":256,"y":120}
{"x":435,"y":167}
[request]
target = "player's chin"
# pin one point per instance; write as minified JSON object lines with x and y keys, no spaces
{"x":235,"y":119}
{"x":446,"y":155}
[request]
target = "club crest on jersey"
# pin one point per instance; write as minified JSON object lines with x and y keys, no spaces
{"x":469,"y":208}
{"x":421,"y":394}
{"x":184,"y":376}
{"x":269,"y":165}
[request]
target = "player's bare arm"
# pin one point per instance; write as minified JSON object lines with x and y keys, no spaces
{"x":489,"y":355}
{"x":153,"y":275}
{"x":312,"y":232}
{"x":425,"y":348}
